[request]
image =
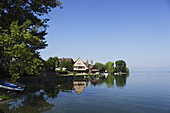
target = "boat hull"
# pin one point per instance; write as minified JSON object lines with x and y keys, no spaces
{"x":9,"y":86}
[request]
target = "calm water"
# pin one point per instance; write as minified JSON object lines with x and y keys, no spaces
{"x":140,"y":92}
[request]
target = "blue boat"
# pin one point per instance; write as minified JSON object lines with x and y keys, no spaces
{"x":9,"y":86}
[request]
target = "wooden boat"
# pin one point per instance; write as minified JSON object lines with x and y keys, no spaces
{"x":9,"y":86}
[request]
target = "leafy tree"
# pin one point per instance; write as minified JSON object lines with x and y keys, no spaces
{"x":23,"y":10}
{"x":51,"y":64}
{"x":67,"y":64}
{"x":127,"y":71}
{"x":18,"y":49}
{"x":20,"y":39}
{"x":100,"y":66}
{"x":120,"y":66}
{"x":109,"y":66}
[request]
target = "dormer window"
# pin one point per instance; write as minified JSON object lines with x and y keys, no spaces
{"x":78,"y":63}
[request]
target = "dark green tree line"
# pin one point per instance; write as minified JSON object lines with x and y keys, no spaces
{"x":120,"y":66}
{"x":51,"y":64}
{"x":67,"y":64}
{"x":100,"y":66}
{"x":109,"y":66}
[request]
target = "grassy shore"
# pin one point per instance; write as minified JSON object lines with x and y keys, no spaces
{"x":71,"y":74}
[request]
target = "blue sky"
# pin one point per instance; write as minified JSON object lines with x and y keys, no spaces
{"x":137,"y":31}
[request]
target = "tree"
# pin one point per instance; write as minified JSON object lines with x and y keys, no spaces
{"x":20,"y":37}
{"x":120,"y":66}
{"x":17,"y":48}
{"x":127,"y":71}
{"x":51,"y":64}
{"x":67,"y":64}
{"x":23,"y":10}
{"x":100,"y":66}
{"x":109,"y":66}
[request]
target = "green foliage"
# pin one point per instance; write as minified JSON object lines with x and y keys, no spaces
{"x":127,"y":71}
{"x":120,"y":66}
{"x":51,"y":64}
{"x":22,"y":10}
{"x":67,"y":64}
{"x":100,"y":66}
{"x":18,"y":48}
{"x":4,"y":96}
{"x":109,"y":66}
{"x":19,"y":41}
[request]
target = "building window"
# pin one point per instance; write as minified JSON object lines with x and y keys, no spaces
{"x":76,"y":67}
{"x":79,"y":63}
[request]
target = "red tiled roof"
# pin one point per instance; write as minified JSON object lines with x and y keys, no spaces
{"x":67,"y":59}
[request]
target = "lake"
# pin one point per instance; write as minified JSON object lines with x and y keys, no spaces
{"x":140,"y":92}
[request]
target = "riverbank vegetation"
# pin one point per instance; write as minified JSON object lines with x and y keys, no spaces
{"x":120,"y":67}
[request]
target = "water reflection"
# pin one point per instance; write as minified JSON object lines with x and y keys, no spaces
{"x":31,"y":103}
{"x":121,"y":80}
{"x":41,"y":89}
{"x":79,"y":86}
{"x":110,"y":81}
{"x":94,"y":81}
